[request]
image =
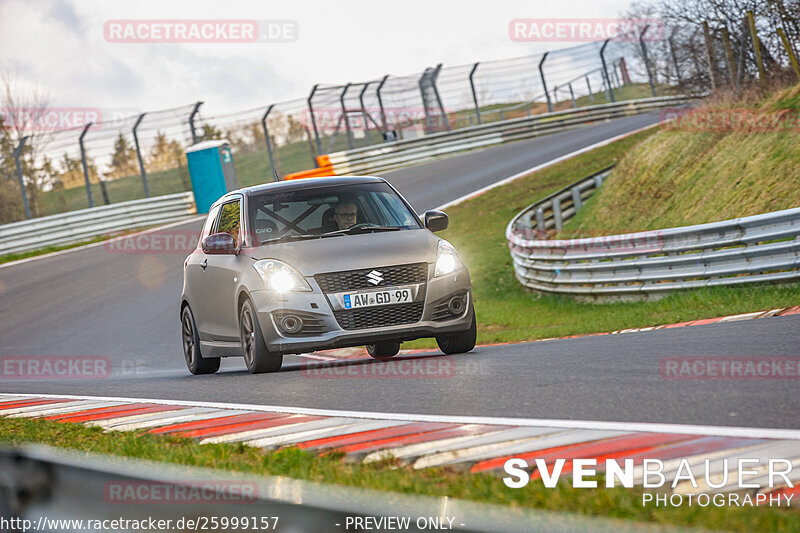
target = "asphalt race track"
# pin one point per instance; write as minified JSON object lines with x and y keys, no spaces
{"x":98,"y":302}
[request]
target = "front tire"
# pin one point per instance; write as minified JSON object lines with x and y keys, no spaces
{"x":459,"y":342}
{"x":191,"y":346}
{"x":383,"y":350}
{"x":256,"y":356}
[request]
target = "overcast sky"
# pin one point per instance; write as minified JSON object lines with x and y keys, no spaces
{"x":60,"y":47}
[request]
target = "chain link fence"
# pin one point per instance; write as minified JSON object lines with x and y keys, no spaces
{"x":141,"y":154}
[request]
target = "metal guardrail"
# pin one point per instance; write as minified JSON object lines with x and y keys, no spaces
{"x":400,"y":153}
{"x":76,"y":226}
{"x":757,"y":248}
{"x":48,"y":485}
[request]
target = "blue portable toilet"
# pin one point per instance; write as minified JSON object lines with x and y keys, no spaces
{"x":212,"y":172}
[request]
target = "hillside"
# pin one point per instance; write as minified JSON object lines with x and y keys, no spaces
{"x":687,"y":174}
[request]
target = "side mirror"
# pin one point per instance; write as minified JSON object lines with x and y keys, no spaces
{"x":436,"y":220}
{"x":219,"y":244}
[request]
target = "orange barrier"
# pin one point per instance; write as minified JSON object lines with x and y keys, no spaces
{"x":324,"y":168}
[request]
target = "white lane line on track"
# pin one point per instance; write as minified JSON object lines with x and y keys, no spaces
{"x":688,"y":429}
{"x":101,"y":243}
{"x":544,"y":165}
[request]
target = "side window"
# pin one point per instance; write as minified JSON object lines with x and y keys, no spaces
{"x":212,"y":217}
{"x":229,"y":220}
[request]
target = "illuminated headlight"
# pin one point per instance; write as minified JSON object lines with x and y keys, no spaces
{"x":447,"y":259}
{"x":279,"y":276}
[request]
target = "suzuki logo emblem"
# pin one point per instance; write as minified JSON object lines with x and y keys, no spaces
{"x":374,"y":277}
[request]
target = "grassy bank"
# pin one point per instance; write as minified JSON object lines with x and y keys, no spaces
{"x":387,"y":476}
{"x":692,"y":175}
{"x":506,"y":312}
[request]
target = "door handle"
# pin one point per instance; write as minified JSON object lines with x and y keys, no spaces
{"x":204,"y":264}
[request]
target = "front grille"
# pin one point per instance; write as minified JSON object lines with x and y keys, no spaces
{"x":375,"y":317}
{"x":312,"y":324}
{"x":350,"y":280}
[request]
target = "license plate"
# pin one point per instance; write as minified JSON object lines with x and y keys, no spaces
{"x":369,"y":299}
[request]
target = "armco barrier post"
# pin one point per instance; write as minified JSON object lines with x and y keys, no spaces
{"x":544,"y":83}
{"x":193,"y":114}
{"x":269,"y":143}
{"x":557,"y":214}
{"x":85,"y":166}
{"x":345,"y":117}
{"x":139,"y":156}
{"x":606,"y":80}
{"x":313,"y":119}
{"x":475,"y":94}
{"x":646,"y":60}
{"x":17,"y":153}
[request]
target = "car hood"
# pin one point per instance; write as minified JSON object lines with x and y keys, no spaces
{"x":354,"y":252}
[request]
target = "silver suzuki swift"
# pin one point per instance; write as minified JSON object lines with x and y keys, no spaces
{"x":314,"y":264}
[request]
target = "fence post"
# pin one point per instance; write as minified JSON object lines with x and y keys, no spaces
{"x":139,"y":156}
{"x":314,"y":120}
{"x":646,"y":60}
{"x":589,"y":86}
{"x":544,"y":83}
{"x":674,"y":57}
{"x":474,"y":94}
{"x":572,"y":95}
{"x":269,"y":143}
{"x":380,"y":102}
{"x":609,"y":89}
{"x":345,"y":117}
{"x":17,"y":153}
{"x":790,"y":52}
{"x":364,"y":112}
{"x":191,"y":121}
{"x":762,"y":74}
{"x":712,"y":71}
{"x":85,"y":166}
{"x":726,"y":43}
{"x":438,"y":97}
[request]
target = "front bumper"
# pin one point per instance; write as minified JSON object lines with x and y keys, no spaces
{"x":323,"y":331}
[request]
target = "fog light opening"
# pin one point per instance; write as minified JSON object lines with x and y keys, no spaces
{"x":291,"y":324}
{"x":456,"y":305}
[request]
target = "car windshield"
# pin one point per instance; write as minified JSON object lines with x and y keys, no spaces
{"x":328,"y":211}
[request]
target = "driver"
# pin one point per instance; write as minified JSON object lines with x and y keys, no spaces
{"x":345,"y":214}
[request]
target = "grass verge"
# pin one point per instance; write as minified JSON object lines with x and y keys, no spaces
{"x":387,"y":476}
{"x":507,"y":312}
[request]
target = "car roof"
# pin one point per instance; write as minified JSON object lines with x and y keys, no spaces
{"x":307,"y":183}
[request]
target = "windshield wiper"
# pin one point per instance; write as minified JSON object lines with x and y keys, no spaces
{"x":361,"y":229}
{"x":293,"y":237}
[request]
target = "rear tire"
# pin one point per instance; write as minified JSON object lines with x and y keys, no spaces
{"x":191,"y":346}
{"x":382,"y":350}
{"x":459,"y":342}
{"x":256,"y":356}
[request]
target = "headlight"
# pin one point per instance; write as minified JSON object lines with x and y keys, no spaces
{"x":447,"y":259}
{"x":279,"y":276}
